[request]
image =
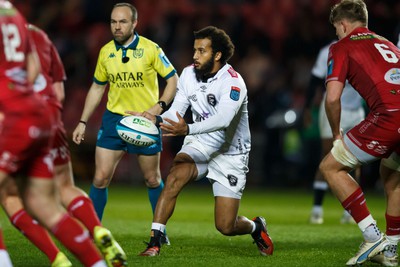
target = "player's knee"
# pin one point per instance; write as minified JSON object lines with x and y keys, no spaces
{"x":343,"y":155}
{"x":153,"y":181}
{"x":225,"y":229}
{"x":323,"y":167}
{"x":101,"y":182}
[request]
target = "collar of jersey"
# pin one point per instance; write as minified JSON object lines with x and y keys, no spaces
{"x":132,"y":46}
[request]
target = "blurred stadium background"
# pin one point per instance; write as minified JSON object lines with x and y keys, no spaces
{"x":276,"y":44}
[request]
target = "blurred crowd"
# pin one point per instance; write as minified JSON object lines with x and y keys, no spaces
{"x":276,"y":45}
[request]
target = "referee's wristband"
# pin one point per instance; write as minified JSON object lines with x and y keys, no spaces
{"x":158,"y":120}
{"x":84,"y":122}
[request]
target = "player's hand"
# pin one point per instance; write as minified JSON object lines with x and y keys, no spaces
{"x":173,"y":128}
{"x":79,"y":133}
{"x":338,"y":136}
{"x":145,"y":114}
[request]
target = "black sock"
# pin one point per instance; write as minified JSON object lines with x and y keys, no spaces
{"x":155,"y":239}
{"x":319,"y":196}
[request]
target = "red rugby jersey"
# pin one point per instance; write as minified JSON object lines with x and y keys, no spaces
{"x":52,"y":67}
{"x":371,"y":64}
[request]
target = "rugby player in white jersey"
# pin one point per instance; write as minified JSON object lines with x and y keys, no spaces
{"x":216,"y":145}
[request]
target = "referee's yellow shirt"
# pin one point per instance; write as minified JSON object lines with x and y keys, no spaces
{"x":133,"y":84}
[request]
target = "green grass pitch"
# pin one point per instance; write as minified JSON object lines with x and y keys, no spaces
{"x":196,"y":242}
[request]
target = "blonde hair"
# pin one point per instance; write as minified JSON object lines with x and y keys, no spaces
{"x":352,"y":10}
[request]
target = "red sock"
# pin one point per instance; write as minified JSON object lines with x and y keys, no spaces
{"x":82,"y":209}
{"x":2,"y":245}
{"x":392,"y":225}
{"x":77,"y":240}
{"x":37,"y":234}
{"x":356,"y":205}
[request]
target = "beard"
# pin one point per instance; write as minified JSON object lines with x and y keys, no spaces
{"x":122,"y":39}
{"x":204,"y":71}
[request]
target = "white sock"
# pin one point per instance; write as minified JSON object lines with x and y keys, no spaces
{"x":158,"y":226}
{"x":5,"y":258}
{"x":321,"y":185}
{"x":366,"y":222}
{"x":253,"y":224}
{"x":372,"y":233}
{"x":317,"y":210}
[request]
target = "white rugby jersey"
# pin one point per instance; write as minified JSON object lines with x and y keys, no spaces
{"x":350,"y":98}
{"x":219,"y":108}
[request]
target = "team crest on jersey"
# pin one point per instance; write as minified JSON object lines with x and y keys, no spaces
{"x":232,"y":180}
{"x":138,"y":53}
{"x":235,"y":93}
{"x":211,"y":100}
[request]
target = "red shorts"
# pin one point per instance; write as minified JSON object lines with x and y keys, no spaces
{"x":60,"y":148}
{"x":25,"y":143}
{"x":378,"y":135}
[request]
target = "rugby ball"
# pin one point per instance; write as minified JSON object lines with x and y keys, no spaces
{"x":138,"y":131}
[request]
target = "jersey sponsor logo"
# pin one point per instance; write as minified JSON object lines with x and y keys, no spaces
{"x":202,"y":116}
{"x":126,"y":79}
{"x":138,"y":53}
{"x":235,"y":93}
{"x":111,"y":55}
{"x":211,"y":100}
{"x":40,"y":83}
{"x":361,"y":36}
{"x":193,"y":97}
{"x":232,"y":180}
{"x":393,"y":76}
{"x":376,"y":147}
{"x":232,"y":72}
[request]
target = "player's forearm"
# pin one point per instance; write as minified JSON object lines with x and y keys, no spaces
{"x":333,"y":111}
{"x":170,"y":90}
{"x":333,"y":106}
{"x":166,"y":98}
{"x":92,"y":101}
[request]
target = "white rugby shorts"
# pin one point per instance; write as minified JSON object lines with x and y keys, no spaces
{"x":348,"y":119}
{"x":227,"y":170}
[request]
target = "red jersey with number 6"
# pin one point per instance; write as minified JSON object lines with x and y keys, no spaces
{"x":371,"y":64}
